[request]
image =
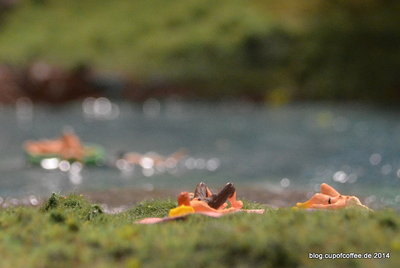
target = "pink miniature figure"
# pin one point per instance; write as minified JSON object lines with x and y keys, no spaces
{"x":329,"y":198}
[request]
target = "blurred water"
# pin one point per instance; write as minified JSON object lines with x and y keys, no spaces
{"x":354,"y":148}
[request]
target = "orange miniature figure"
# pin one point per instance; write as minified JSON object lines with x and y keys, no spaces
{"x":205,"y":201}
{"x":68,"y":146}
{"x":329,"y":198}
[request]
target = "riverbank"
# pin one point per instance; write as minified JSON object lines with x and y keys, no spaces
{"x":116,"y":200}
{"x":120,"y":199}
{"x":69,"y":231}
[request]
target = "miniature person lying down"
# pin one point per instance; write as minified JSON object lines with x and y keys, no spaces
{"x":205,"y":201}
{"x":68,"y":146}
{"x":329,"y":198}
{"x":136,"y":158}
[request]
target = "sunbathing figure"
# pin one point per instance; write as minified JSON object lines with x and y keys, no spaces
{"x":68,"y":146}
{"x":134,"y":158}
{"x":329,"y":198}
{"x":205,"y":201}
{"x":216,"y":201}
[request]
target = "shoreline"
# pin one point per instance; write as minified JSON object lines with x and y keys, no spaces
{"x":119,"y":199}
{"x":116,"y":200}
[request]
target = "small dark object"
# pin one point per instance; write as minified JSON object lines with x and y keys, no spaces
{"x":121,"y":154}
{"x":202,"y":192}
{"x":57,"y":217}
{"x":52,"y":202}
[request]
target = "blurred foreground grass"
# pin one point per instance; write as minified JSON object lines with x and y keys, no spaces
{"x":71,"y":232}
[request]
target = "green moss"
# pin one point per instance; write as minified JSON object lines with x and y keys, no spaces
{"x":65,"y":236}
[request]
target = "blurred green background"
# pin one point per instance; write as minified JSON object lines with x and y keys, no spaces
{"x":274,"y":51}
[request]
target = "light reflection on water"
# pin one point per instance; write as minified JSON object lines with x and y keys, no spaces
{"x":354,"y":148}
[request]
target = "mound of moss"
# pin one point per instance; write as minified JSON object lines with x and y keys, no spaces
{"x":71,"y":232}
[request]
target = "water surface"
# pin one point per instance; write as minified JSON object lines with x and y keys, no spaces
{"x":353,"y":147}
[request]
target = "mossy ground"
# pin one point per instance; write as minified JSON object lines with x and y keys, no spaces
{"x":71,"y":232}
